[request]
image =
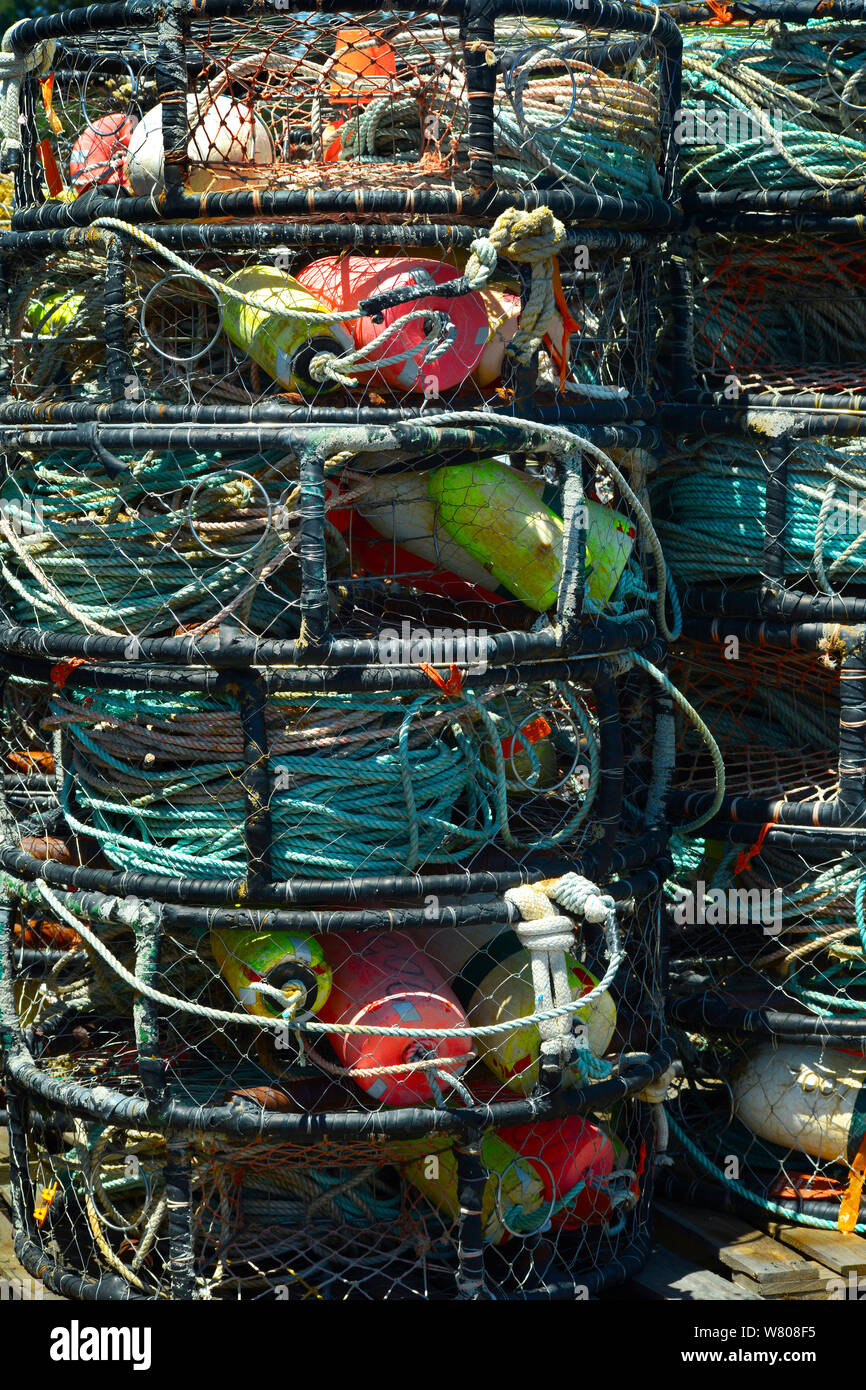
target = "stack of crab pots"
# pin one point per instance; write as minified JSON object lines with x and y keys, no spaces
{"x":338,"y":735}
{"x":759,"y":507}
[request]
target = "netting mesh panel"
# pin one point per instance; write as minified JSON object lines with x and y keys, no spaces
{"x":777,"y":108}
{"x":775,"y":715}
{"x":777,"y":1114}
{"x":778,"y":314}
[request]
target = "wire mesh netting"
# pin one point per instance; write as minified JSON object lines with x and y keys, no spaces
{"x":339,"y":1216}
{"x":778,"y":317}
{"x":767,"y":984}
{"x":771,"y":107}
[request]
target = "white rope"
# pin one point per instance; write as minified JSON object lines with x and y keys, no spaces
{"x":547,"y":937}
{"x":339,"y":367}
{"x":13,"y":70}
{"x":305,"y":1025}
{"x":156,"y":995}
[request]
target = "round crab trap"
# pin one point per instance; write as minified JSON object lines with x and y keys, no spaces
{"x":177,"y":1130}
{"x":772,"y":321}
{"x":792,"y":513}
{"x":288,"y":858}
{"x":772,"y":114}
{"x":335,"y":546}
{"x":767,"y":988}
{"x":225,"y":110}
{"x":332,"y":321}
{"x":784,"y":702}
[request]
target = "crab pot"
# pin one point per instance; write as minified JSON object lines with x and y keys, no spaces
{"x":331,"y":545}
{"x":764,"y":521}
{"x":337,"y":322}
{"x":766,"y":985}
{"x":784,"y":702}
{"x":776,"y":320}
{"x":277,"y":783}
{"x":227,"y":111}
{"x":161,"y":1151}
{"x":771,"y":122}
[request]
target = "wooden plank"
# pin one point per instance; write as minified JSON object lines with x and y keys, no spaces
{"x":713,"y":1238}
{"x":819,"y":1292}
{"x":669,"y":1278}
{"x":842,"y":1253}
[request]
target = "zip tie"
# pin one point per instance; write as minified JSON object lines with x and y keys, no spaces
{"x":63,"y":670}
{"x":452,"y":686}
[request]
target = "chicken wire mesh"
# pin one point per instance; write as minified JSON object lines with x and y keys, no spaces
{"x":779,"y":319}
{"x":423,"y":112}
{"x":751,"y":523}
{"x":405,"y":546}
{"x":772,"y":110}
{"x":565,"y":322}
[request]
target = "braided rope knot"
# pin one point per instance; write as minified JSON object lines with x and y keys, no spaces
{"x":548,"y":938}
{"x":546,"y":934}
{"x":14,"y":67}
{"x":532,"y":238}
{"x":581,"y":897}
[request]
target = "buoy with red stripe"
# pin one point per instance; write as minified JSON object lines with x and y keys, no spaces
{"x":387,"y":980}
{"x":343,"y":281}
{"x":99,"y":154}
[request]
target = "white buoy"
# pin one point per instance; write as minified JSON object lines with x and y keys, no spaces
{"x":804,"y":1097}
{"x":222,"y":132}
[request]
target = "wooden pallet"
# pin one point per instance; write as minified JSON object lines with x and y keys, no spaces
{"x":778,"y":1261}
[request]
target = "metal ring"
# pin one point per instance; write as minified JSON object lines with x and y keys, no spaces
{"x":170,"y":357}
{"x":226,"y":554}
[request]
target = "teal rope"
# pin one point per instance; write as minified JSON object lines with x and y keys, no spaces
{"x":710,"y":503}
{"x":123,"y":554}
{"x":733,"y":1185}
{"x":795,"y":86}
{"x":387,"y":803}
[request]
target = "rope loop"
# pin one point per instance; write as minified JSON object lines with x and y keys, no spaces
{"x":14,"y":67}
{"x":531,"y":238}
